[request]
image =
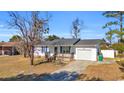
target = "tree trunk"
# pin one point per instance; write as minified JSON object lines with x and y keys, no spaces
{"x":25,"y":54}
{"x":121,"y":26}
{"x":32,"y":60}
{"x":25,"y":50}
{"x":32,"y":55}
{"x":110,"y":42}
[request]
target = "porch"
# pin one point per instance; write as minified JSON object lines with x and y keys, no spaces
{"x":7,"y":50}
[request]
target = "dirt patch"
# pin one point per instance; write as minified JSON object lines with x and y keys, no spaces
{"x":102,"y":72}
{"x":13,"y":65}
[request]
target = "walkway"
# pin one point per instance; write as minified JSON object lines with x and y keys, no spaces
{"x":76,"y":66}
{"x":67,"y":73}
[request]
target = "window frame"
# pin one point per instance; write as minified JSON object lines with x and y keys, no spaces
{"x":65,"y":49}
{"x":44,"y":49}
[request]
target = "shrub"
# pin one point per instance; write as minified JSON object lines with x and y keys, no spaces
{"x":120,"y":62}
{"x":104,"y":47}
{"x":118,"y":46}
{"x":120,"y":55}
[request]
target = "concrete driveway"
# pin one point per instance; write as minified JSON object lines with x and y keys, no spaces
{"x":70,"y":72}
{"x":76,"y":66}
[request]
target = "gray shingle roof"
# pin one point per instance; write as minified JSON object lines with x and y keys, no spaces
{"x":89,"y":42}
{"x":64,"y":42}
{"x":69,"y":42}
{"x":45,"y":42}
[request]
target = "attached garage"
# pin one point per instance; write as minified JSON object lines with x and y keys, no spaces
{"x":87,"y":50}
{"x":86,"y":54}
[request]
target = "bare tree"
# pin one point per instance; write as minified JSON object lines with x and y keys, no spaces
{"x":31,"y":30}
{"x":76,"y":28}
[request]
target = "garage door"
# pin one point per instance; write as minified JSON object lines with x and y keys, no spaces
{"x":86,"y":54}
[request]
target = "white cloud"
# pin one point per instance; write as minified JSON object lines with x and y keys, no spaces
{"x":99,"y":35}
{"x":6,"y":35}
{"x":66,"y":35}
{"x":8,"y":30}
{"x":1,"y":25}
{"x":87,"y":31}
{"x":5,"y":32}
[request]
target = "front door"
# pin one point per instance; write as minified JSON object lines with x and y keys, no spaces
{"x":55,"y":50}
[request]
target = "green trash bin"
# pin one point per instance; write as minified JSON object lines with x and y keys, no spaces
{"x":100,"y":58}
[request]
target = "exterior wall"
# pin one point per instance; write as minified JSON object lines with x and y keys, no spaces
{"x":51,"y":50}
{"x":58,"y":49}
{"x":72,"y":49}
{"x":65,"y":55}
{"x":108,"y":53}
{"x":93,"y":52}
{"x":38,"y":51}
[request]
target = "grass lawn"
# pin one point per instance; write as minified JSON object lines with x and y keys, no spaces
{"x":14,"y":65}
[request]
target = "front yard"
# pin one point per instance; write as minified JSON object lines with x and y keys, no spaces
{"x":19,"y":68}
{"x":103,"y":71}
{"x":14,"y":65}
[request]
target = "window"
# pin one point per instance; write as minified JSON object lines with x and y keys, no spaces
{"x":44,"y":49}
{"x":60,"y":49}
{"x":65,"y":49}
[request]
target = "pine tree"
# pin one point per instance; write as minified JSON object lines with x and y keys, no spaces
{"x":115,"y":26}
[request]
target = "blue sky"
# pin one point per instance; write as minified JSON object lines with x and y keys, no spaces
{"x":60,"y":24}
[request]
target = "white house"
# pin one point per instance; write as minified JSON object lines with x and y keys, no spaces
{"x":86,"y":49}
{"x":109,"y":53}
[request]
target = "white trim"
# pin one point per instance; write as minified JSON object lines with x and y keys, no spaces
{"x":66,"y":45}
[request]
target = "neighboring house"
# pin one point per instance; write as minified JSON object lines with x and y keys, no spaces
{"x":107,"y":51}
{"x":7,"y":48}
{"x":86,"y":49}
